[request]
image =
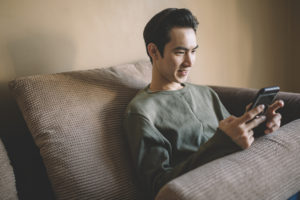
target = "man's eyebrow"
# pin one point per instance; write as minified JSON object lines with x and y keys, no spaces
{"x":184,"y":48}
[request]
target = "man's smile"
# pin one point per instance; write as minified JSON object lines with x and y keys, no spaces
{"x":183,"y":72}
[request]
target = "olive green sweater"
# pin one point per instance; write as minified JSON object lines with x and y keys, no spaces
{"x":172,"y":132}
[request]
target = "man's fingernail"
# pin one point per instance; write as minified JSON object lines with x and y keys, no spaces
{"x":282,"y":102}
{"x":262,"y":106}
{"x":263,"y":117}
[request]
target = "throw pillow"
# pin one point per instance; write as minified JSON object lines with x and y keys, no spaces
{"x":75,"y":119}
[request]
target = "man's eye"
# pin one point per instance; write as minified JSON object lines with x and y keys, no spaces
{"x":179,"y":52}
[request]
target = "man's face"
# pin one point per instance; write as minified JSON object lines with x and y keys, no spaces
{"x":179,"y":56}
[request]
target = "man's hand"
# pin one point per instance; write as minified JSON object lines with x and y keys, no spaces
{"x":239,"y":129}
{"x":273,"y":118}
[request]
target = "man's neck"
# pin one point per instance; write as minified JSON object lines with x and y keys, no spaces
{"x":155,"y":86}
{"x":160,"y":83}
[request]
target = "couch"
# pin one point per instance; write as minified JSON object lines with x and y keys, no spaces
{"x":77,"y":148}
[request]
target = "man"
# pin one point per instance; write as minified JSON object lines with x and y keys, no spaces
{"x":173,"y":126}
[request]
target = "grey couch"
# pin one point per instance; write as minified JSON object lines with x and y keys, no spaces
{"x":77,"y":149}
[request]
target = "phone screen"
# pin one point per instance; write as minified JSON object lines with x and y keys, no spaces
{"x":265,"y":96}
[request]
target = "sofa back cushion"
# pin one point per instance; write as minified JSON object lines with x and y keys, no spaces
{"x":75,"y":119}
{"x":236,"y":99}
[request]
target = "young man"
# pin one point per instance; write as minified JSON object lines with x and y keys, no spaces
{"x":173,"y":126}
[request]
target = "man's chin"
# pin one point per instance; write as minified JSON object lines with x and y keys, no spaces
{"x":182,"y":80}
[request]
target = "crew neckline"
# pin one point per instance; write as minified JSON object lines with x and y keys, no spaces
{"x":181,"y":90}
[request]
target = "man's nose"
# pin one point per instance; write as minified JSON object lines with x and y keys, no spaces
{"x":188,"y":60}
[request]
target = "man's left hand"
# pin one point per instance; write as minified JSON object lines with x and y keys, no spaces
{"x":273,"y":119}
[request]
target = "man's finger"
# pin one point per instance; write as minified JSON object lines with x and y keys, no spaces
{"x":248,"y":107}
{"x":275,"y":106}
{"x":275,"y":120}
{"x":254,"y":123}
{"x":250,"y":134}
{"x":251,"y":114}
{"x":270,"y":130}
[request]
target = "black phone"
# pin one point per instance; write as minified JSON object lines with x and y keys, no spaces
{"x":265,"y":96}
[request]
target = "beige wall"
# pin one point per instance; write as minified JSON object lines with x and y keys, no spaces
{"x":47,"y":36}
{"x":243,"y":43}
{"x":43,"y":36}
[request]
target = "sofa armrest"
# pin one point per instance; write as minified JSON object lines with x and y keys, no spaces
{"x":269,"y":169}
{"x":236,"y":99}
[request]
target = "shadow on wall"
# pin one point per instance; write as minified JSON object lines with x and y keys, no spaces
{"x":267,"y":26}
{"x":41,"y":54}
{"x":249,"y":13}
{"x":36,"y":54}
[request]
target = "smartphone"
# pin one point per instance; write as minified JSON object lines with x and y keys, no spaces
{"x":265,"y":96}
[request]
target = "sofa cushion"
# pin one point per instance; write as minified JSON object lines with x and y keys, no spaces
{"x":269,"y":169}
{"x":75,"y":120}
{"x":7,"y":178}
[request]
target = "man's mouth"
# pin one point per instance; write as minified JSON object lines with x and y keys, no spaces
{"x":183,"y":72}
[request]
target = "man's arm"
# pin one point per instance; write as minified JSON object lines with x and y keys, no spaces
{"x":152,"y":153}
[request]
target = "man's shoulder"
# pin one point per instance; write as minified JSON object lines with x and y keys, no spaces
{"x":204,"y":89}
{"x":140,"y":102}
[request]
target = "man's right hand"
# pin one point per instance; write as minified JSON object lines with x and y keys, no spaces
{"x":240,"y":129}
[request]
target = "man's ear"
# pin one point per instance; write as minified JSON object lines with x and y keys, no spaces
{"x":153,"y":51}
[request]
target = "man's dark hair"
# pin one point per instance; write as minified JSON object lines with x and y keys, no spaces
{"x":158,"y":28}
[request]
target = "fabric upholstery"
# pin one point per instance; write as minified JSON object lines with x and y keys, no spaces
{"x":269,"y":169}
{"x":75,"y":119}
{"x":235,"y":100}
{"x":7,"y":179}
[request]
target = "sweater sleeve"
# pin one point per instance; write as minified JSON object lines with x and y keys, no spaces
{"x":152,"y":152}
